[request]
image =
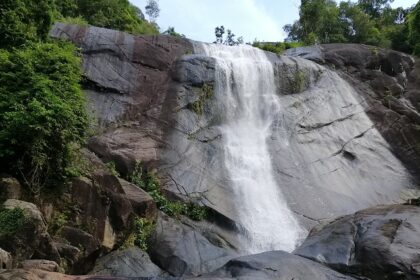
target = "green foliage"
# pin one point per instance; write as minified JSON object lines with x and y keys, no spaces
{"x":277,"y":47}
{"x":74,"y":20}
{"x":150,"y":183}
{"x":142,"y":229}
{"x":152,"y":10}
{"x":115,"y":14}
{"x":171,"y":32}
{"x":371,"y":22}
{"x":111,"y":166}
{"x":42,"y":111}
{"x":58,"y":221}
{"x":11,"y":221}
{"x":229,"y":40}
{"x":204,"y":93}
{"x":24,"y":20}
{"x":413,"y":24}
{"x":299,"y":81}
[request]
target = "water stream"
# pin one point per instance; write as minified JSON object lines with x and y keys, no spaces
{"x":246,"y":91}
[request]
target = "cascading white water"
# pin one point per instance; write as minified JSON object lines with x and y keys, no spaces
{"x":246,"y":91}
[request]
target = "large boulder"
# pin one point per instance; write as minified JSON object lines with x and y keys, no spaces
{"x":10,"y":188}
{"x":388,"y":81}
{"x":379,"y":243}
{"x":275,"y":265}
{"x":27,"y":235}
{"x":131,"y":262}
{"x":181,"y":251}
{"x":127,"y":84}
{"x":40,"y":264}
{"x":142,"y":203}
{"x":6,"y":261}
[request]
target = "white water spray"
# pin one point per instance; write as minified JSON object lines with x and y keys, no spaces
{"x":246,"y":91}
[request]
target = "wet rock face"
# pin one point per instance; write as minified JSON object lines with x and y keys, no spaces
{"x":182,"y":251}
{"x":128,"y":81}
{"x":388,"y":82}
{"x":277,"y":265}
{"x":379,"y":243}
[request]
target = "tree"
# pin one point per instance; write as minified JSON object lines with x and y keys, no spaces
{"x":413,"y":24}
{"x":171,"y":31}
{"x":42,"y":112}
{"x":24,"y":20}
{"x":319,"y":22}
{"x":374,"y":8}
{"x":230,"y":37}
{"x":115,"y":14}
{"x":152,"y":10}
{"x":219,"y":32}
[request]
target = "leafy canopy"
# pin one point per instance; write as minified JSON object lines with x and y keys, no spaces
{"x":115,"y":14}
{"x":371,"y":22}
{"x":42,"y":110}
{"x":24,"y":20}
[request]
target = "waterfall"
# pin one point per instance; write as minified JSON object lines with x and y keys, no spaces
{"x":246,"y":93}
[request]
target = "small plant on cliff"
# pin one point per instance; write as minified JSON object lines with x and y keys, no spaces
{"x":298,"y":81}
{"x":204,"y":93}
{"x":150,"y":183}
{"x":11,"y":221}
{"x":142,"y":229}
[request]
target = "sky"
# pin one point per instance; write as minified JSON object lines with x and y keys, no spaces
{"x":261,"y":20}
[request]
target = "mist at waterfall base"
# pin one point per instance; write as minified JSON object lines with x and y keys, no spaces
{"x":246,"y":91}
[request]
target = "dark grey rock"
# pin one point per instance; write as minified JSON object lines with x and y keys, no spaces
{"x":40,"y":264}
{"x":10,"y":188}
{"x":275,"y":265}
{"x":131,"y":262}
{"x":6,"y":261}
{"x":379,"y":243}
{"x":195,"y":70}
{"x":142,"y":203}
{"x":181,"y":251}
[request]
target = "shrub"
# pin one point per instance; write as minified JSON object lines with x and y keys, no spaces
{"x":204,"y":93}
{"x":11,"y":221}
{"x":150,"y":183}
{"x":143,"y":229}
{"x":115,"y":14}
{"x":42,"y":111}
{"x":278,"y":47}
{"x":24,"y":20}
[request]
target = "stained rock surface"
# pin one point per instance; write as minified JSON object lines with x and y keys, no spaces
{"x":346,"y":138}
{"x":275,"y":265}
{"x":379,"y":243}
{"x":131,"y":262}
{"x":182,"y":251}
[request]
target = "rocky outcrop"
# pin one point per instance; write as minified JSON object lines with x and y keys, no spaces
{"x":30,"y":238}
{"x":10,"y":188}
{"x":379,"y":243}
{"x":6,"y":261}
{"x":128,"y":80}
{"x":40,"y":264}
{"x":131,"y":262}
{"x":142,"y":203}
{"x":388,"y":82}
{"x":182,"y":251}
{"x":154,"y":101}
{"x":276,"y":265}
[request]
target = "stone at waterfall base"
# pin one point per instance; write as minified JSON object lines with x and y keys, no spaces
{"x":380,"y":243}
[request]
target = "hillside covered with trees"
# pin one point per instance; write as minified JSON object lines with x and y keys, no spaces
{"x":42,"y":109}
{"x":371,"y":22}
